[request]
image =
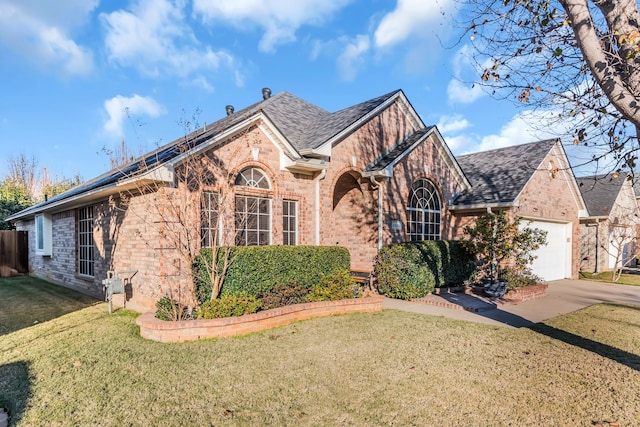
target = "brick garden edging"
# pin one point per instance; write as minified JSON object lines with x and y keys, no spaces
{"x":191,"y":330}
{"x":527,"y":293}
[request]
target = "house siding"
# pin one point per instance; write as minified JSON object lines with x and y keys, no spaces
{"x":60,"y":267}
{"x":599,"y":243}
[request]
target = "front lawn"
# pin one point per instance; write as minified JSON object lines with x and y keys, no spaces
{"x":25,"y":301}
{"x":387,"y":368}
{"x":607,"y":276}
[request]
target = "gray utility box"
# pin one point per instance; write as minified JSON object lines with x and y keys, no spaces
{"x":114,"y":284}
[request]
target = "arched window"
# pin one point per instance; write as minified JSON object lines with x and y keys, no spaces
{"x":253,"y":178}
{"x":253,"y":212}
{"x":423,"y":211}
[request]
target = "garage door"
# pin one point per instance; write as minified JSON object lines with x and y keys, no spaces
{"x":553,"y":261}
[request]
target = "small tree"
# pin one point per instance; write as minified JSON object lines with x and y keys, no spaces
{"x":499,"y":241}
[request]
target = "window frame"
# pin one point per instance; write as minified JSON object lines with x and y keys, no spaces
{"x":85,"y":243}
{"x":424,"y":214}
{"x":254,"y":207}
{"x":288,"y":218}
{"x":44,"y":234}
{"x":209,"y":227}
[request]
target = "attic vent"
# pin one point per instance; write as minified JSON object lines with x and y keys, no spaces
{"x":266,"y":93}
{"x":229,"y":109}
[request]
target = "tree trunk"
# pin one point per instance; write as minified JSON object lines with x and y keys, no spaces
{"x":617,"y":72}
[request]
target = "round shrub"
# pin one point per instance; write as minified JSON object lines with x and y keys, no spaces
{"x":228,"y":306}
{"x":401,"y":272}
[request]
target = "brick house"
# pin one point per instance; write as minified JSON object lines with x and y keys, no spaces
{"x":608,"y":234}
{"x":533,"y":181}
{"x":281,"y":171}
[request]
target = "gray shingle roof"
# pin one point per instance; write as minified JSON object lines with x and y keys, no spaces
{"x":397,"y":151}
{"x":498,"y":176}
{"x":600,"y":192}
{"x":303,"y":124}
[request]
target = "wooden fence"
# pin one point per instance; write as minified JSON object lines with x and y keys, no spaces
{"x":14,"y":250}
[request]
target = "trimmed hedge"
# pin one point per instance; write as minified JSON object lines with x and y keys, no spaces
{"x":449,"y":261}
{"x":257,"y":270}
{"x":401,"y":273}
{"x":413,"y":269}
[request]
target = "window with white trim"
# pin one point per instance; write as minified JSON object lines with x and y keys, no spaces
{"x":85,"y":241}
{"x":289,"y":222}
{"x":424,"y":213}
{"x":44,"y":231}
{"x":210,"y":214}
{"x":253,"y":212}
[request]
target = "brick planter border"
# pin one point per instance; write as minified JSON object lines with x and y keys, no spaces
{"x":527,"y":293}
{"x":191,"y":330}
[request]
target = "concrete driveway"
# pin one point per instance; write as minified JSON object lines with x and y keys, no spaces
{"x":563,"y":296}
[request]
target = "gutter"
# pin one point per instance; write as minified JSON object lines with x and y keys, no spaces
{"x":378,"y":185}
{"x":483,"y":206}
{"x":161,"y":174}
{"x":316,"y":208}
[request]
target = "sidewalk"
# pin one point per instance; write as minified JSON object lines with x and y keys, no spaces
{"x":563,"y":296}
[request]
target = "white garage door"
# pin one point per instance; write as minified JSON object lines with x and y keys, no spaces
{"x":553,"y":261}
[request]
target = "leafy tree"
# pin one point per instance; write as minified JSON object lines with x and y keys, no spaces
{"x":12,"y":199}
{"x":25,"y":184}
{"x":498,"y":240}
{"x":579,"y":59}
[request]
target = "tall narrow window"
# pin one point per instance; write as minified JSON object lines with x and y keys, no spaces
{"x":289,"y":222}
{"x":253,"y":212}
{"x":44,"y":232}
{"x":210,"y":211}
{"x":423,"y":212}
{"x":85,"y":241}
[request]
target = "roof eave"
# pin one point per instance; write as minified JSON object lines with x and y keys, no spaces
{"x":159,"y":176}
{"x":482,"y":206}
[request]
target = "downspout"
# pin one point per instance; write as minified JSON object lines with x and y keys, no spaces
{"x":378,"y":185}
{"x":316,"y":213}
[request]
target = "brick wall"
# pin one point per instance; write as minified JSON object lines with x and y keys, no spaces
{"x":131,"y":231}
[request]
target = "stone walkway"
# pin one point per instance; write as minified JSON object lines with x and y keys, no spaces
{"x":463,"y":301}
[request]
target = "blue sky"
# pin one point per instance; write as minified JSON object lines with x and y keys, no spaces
{"x":77,"y":76}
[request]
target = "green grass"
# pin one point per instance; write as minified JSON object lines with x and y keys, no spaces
{"x":607,"y":276}
{"x":387,"y":368}
{"x":25,"y":301}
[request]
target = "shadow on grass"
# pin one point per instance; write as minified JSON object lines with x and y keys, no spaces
{"x":15,"y":389}
{"x":26,"y":301}
{"x":612,"y":353}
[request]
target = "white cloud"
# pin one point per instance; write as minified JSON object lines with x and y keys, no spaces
{"x":202,"y":83}
{"x":527,"y":126}
{"x":154,"y":38}
{"x":279,"y":19}
{"x":120,"y":107}
{"x":351,"y":58}
{"x":409,"y":18}
{"x":39,"y":31}
{"x":463,"y":93}
{"x":455,"y":123}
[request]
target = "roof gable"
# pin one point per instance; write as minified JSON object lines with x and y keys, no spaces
{"x":600,"y":192}
{"x":498,"y":176}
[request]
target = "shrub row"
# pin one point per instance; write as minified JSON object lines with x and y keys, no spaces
{"x":335,"y":286}
{"x":413,"y":269}
{"x":257,"y":270}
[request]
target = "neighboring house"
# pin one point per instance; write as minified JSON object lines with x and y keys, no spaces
{"x":284,"y":172}
{"x":533,"y":181}
{"x":608,"y":235}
